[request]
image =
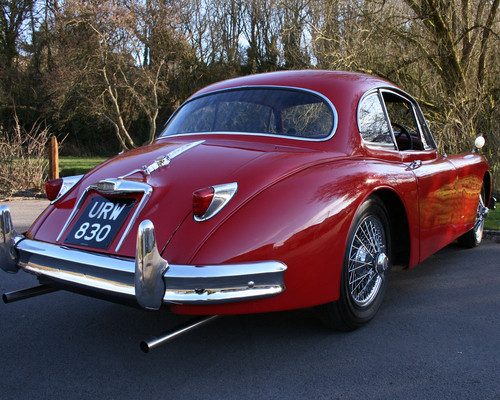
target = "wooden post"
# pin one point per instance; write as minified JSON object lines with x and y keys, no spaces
{"x":54,"y":158}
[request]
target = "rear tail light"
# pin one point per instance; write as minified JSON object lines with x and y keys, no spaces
{"x":201,"y":201}
{"x":209,"y":201}
{"x":52,"y":188}
{"x":56,"y":188}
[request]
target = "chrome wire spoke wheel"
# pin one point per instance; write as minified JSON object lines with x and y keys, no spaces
{"x":482,"y":212}
{"x":367,"y":261}
{"x":366,"y":269}
{"x":474,"y":236}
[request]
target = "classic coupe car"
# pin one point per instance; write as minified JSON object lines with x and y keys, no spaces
{"x":262,"y":193}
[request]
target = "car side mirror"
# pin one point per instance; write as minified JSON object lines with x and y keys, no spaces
{"x":478,"y":143}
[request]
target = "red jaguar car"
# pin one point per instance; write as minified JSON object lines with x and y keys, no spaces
{"x":262,"y":193}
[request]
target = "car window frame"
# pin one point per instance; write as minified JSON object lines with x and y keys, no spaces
{"x":291,"y":88}
{"x":421,"y":124}
{"x":376,"y":145}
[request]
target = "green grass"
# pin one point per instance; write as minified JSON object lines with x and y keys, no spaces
{"x":77,"y":165}
{"x":493,"y":219}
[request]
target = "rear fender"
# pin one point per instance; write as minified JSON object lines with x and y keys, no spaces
{"x":302,"y":221}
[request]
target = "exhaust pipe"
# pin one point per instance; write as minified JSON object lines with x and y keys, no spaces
{"x":154,"y":342}
{"x":17,"y":295}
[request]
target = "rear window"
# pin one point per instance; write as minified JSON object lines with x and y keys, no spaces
{"x":270,"y":111}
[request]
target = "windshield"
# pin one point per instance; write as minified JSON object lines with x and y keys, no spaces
{"x":284,"y":112}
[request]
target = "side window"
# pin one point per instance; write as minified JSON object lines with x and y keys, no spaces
{"x":427,"y":139}
{"x":372,"y":122}
{"x":404,"y":123}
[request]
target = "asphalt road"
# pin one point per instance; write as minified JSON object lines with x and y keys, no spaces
{"x":436,"y":336}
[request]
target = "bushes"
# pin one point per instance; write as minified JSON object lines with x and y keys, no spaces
{"x":23,"y":159}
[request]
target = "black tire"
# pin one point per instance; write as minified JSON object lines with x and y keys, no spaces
{"x":474,"y":237}
{"x":365,"y":271}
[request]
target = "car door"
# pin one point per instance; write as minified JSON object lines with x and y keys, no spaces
{"x":437,"y":180}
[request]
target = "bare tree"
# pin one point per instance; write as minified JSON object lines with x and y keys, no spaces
{"x":135,"y":50}
{"x":13,"y":19}
{"x":295,"y":18}
{"x":129,"y":63}
{"x":437,"y":49}
{"x":196,"y":17}
{"x":262,"y":31}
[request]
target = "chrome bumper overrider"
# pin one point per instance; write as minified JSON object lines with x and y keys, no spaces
{"x":148,"y":278}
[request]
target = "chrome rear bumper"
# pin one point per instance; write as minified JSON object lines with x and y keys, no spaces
{"x":147,"y":279}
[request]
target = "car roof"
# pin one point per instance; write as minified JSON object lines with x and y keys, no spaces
{"x":342,"y":89}
{"x":327,"y":83}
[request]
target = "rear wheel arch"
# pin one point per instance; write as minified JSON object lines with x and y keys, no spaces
{"x":365,"y":269}
{"x":488,"y":186}
{"x":399,"y":227}
{"x":473,"y":237}
{"x":384,"y":212}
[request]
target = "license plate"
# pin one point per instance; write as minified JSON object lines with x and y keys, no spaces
{"x":100,"y":222}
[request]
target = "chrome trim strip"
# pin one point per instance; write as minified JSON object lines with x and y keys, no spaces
{"x":381,"y":146}
{"x":78,"y":267}
{"x":114,"y":186}
{"x":217,"y":271}
{"x":148,"y":278}
{"x":81,"y":279}
{"x":8,"y":240}
{"x":125,"y":187}
{"x":222,"y":195}
{"x":220,"y":295}
{"x":67,"y":185}
{"x":417,"y":113}
{"x":174,"y":153}
{"x":76,"y":208}
{"x":149,"y":268}
{"x":223,"y":283}
{"x":119,"y":186}
{"x":236,"y":133}
{"x":163,"y":160}
{"x":322,"y":96}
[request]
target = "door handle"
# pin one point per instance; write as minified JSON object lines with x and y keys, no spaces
{"x":414,"y":165}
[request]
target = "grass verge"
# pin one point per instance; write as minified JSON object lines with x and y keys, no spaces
{"x":77,"y":165}
{"x":493,"y":220}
